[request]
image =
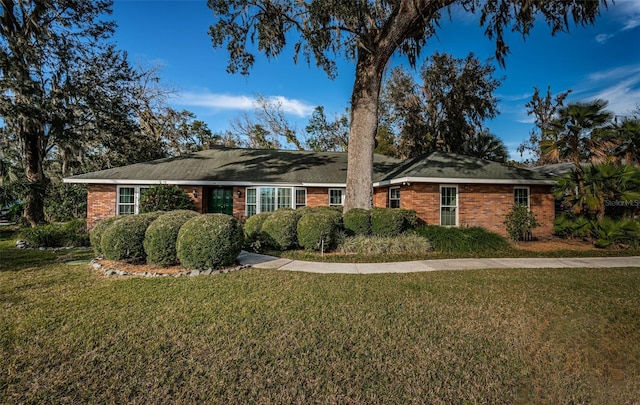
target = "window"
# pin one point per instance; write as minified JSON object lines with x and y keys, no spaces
{"x":129,"y":199}
{"x":268,"y":199}
{"x":521,"y":196}
{"x":251,"y":202}
{"x":336,"y":196}
{"x":449,"y":206}
{"x":301,"y":197}
{"x":394,"y":197}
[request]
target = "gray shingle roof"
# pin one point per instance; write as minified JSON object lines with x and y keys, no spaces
{"x":441,"y":165}
{"x":241,"y":166}
{"x":246,"y":166}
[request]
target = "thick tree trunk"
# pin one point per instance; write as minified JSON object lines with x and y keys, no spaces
{"x":362,"y":132}
{"x":34,"y":172}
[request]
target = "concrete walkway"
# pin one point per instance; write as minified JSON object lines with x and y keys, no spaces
{"x":270,"y":262}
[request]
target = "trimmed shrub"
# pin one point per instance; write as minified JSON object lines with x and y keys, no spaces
{"x":520,"y":222}
{"x":387,"y":221}
{"x":467,"y":241}
{"x":72,"y":233}
{"x":253,"y":230}
{"x":357,"y":221}
{"x":124,"y":239}
{"x":95,"y":236}
{"x":165,"y":198}
{"x":317,"y":229}
{"x":280,"y":229}
{"x":367,"y":245}
{"x":411,"y":220}
{"x":209,"y":241}
{"x":161,"y":236}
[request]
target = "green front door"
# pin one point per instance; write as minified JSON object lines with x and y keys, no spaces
{"x":221,"y":200}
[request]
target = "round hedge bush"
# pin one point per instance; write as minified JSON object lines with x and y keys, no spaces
{"x":357,"y":221}
{"x":209,"y":241}
{"x":387,"y":221}
{"x":280,"y":229}
{"x":95,"y":235}
{"x":253,"y":227}
{"x":317,"y":226}
{"x":165,"y":198}
{"x":124,"y":239}
{"x":161,"y":236}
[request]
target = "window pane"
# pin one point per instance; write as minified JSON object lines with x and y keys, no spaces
{"x":126,"y":195}
{"x":394,"y":197}
{"x":521,"y":196}
{"x":301,"y":198}
{"x":335,"y":197}
{"x":267,"y":199}
{"x":251,"y":210}
{"x":251,"y":196}
{"x":284,"y":198}
{"x":448,"y":216}
{"x":126,"y":209}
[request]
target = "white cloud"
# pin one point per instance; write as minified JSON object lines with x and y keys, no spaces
{"x":620,"y":86}
{"x":627,"y":13}
{"x":242,"y":102}
{"x":602,"y":38}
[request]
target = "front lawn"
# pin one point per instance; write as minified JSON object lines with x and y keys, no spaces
{"x":256,"y":336}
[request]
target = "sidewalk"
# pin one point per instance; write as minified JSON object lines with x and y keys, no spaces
{"x":269,"y":262}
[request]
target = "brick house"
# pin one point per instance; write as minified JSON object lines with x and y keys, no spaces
{"x":443,"y":188}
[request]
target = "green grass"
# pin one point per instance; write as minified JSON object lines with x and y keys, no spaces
{"x":498,"y":336}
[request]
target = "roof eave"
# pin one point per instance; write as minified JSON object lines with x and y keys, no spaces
{"x":461,"y":180}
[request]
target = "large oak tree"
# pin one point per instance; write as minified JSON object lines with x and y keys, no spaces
{"x":369,"y":32}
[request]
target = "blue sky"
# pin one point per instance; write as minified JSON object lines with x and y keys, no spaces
{"x":600,"y":61}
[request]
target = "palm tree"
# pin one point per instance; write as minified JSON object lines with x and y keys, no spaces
{"x":485,"y":145}
{"x":578,"y":134}
{"x":628,"y":136}
{"x":603,"y":184}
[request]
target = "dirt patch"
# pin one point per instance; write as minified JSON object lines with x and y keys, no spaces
{"x":140,"y":268}
{"x":552,"y":244}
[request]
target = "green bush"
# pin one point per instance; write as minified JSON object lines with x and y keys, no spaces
{"x":165,"y":198}
{"x":468,"y":241}
{"x":568,"y":226}
{"x":520,"y":222}
{"x":161,"y":236}
{"x":357,"y":221}
{"x":610,"y":231}
{"x":254,"y":238}
{"x":603,"y":233}
{"x":280,"y":229}
{"x":388,"y":221}
{"x":95,"y":236}
{"x":72,"y":233}
{"x":370,"y":245}
{"x":124,"y":238}
{"x":65,"y":202}
{"x":318,"y":229}
{"x":209,"y":241}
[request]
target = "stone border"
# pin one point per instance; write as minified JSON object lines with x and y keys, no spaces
{"x":111,"y":272}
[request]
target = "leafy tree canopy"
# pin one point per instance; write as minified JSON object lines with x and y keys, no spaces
{"x":369,"y":33}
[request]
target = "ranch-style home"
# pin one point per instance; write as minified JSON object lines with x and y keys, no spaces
{"x":443,"y":188}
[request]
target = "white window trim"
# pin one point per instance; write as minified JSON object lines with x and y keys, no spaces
{"x":295,"y":192}
{"x":395,"y":199}
{"x":528,"y":195}
{"x":258,"y":202}
{"x":343,"y":192}
{"x":136,"y":198}
{"x":457,"y":206}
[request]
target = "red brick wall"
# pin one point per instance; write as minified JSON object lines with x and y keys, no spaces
{"x":484,"y":205}
{"x":101,"y":203}
{"x":478,"y":204}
